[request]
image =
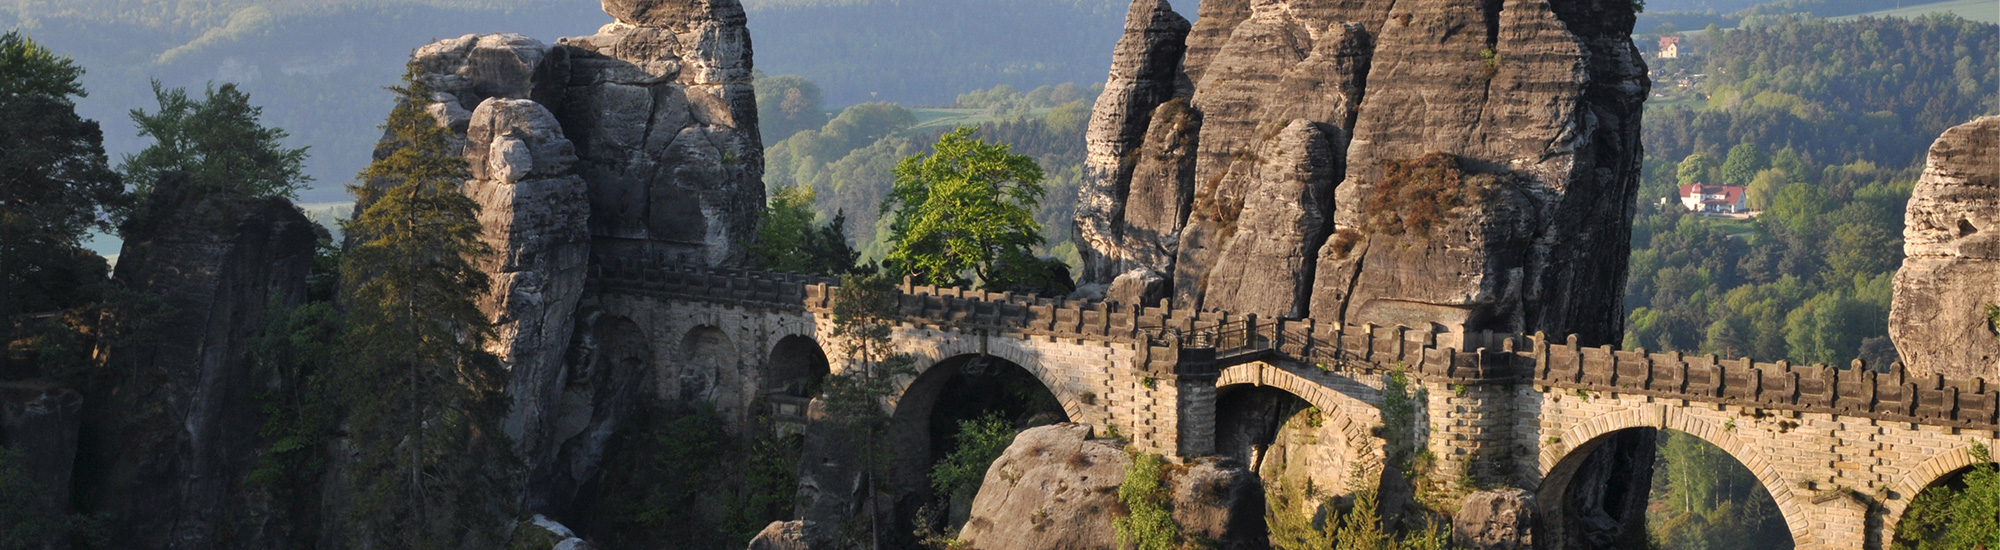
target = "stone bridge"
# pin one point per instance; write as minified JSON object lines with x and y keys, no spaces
{"x":1841,"y":450}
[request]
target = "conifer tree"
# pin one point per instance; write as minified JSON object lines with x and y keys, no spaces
{"x":423,"y":396}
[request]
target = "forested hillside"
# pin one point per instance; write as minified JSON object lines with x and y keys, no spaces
{"x":318,"y":67}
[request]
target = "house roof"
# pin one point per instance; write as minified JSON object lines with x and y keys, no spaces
{"x":1669,"y":41}
{"x":1730,"y":194}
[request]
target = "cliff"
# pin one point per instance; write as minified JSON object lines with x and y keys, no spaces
{"x":637,"y":141}
{"x":1951,"y":265}
{"x":171,"y":434}
{"x":1533,"y":106}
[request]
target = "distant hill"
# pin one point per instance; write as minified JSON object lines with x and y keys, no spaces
{"x":318,"y":66}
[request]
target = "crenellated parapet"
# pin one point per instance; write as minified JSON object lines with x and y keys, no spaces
{"x":1168,"y":335}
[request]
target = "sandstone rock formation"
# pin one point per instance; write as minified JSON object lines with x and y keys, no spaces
{"x":784,"y":535}
{"x":1951,"y":265}
{"x":176,"y":429}
{"x":1501,"y":519}
{"x":1538,"y":101}
{"x":1055,"y":487}
{"x":40,"y":423}
{"x":637,"y":141}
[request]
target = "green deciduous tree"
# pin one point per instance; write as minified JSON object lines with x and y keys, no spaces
{"x":1694,"y":169}
{"x":967,"y":209}
{"x":423,"y":396}
{"x":55,"y":183}
{"x":786,"y":105}
{"x":787,"y":239}
{"x":218,"y":141}
{"x":1743,"y":163}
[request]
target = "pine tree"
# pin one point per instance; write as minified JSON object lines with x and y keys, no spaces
{"x":55,"y":183}
{"x":423,"y":396}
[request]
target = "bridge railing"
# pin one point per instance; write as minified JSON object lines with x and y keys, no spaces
{"x":1455,"y":355}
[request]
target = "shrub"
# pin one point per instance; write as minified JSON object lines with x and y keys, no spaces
{"x":1418,"y":195}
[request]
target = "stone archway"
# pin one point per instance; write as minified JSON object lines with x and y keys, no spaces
{"x":1938,"y":470}
{"x":1564,"y":456}
{"x":796,"y":367}
{"x":705,"y":370}
{"x":1353,"y":444}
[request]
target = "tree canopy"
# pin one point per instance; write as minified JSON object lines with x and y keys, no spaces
{"x":218,"y":141}
{"x":966,"y":209}
{"x":56,"y":183}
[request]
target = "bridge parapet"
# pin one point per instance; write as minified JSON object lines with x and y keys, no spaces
{"x":1455,"y":356}
{"x":1856,"y":391}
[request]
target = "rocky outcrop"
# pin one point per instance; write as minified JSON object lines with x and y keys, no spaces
{"x":1502,"y":519}
{"x":1537,"y":101}
{"x":1951,"y":265}
{"x":175,"y":430}
{"x":539,"y":533}
{"x":661,"y":108}
{"x":785,"y":535}
{"x":1056,"y":487}
{"x":639,"y":140}
{"x":1132,"y":113}
{"x":533,"y":214}
{"x":39,"y":424}
{"x":1265,"y":263}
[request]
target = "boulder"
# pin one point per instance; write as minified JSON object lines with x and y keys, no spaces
{"x":175,"y":427}
{"x":787,"y":535}
{"x":540,"y":532}
{"x":1951,"y":265}
{"x":1056,"y":487}
{"x":1495,"y":520}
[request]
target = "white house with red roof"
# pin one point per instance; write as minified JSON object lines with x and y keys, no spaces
{"x":1721,"y":199}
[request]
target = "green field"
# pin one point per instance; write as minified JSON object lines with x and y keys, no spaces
{"x":1985,"y":11}
{"x":938,"y":118}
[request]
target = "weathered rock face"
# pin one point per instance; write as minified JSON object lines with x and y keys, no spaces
{"x":1495,"y":520}
{"x":40,"y":423}
{"x":1543,"y":98}
{"x":175,"y":433}
{"x":534,"y":215}
{"x":1951,"y":265}
{"x":1266,"y":264}
{"x":1055,"y":487}
{"x":665,"y":120}
{"x":1130,"y":114}
{"x":640,"y":140}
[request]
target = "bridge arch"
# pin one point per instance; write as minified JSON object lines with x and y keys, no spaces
{"x":1561,"y":457}
{"x":796,"y":366}
{"x":1934,"y":471}
{"x":1357,"y":444}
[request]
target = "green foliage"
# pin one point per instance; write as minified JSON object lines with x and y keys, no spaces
{"x":1148,"y":522}
{"x":218,"y":141}
{"x":684,"y":477}
{"x":23,"y":525}
{"x":1877,"y":89}
{"x":864,"y":312}
{"x":966,"y":209}
{"x":1703,"y":498}
{"x":786,"y":105}
{"x":787,"y":240}
{"x":1743,"y":163}
{"x":58,"y":185}
{"x":423,"y":395}
{"x":980,"y":442}
{"x":1962,"y":514}
{"x":297,"y":351}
